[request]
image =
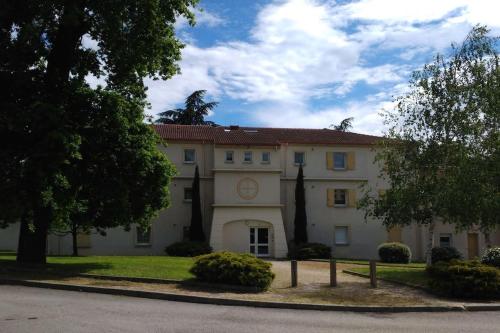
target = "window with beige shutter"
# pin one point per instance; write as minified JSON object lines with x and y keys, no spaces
{"x":83,"y":240}
{"x":351,"y":201}
{"x":351,"y":160}
{"x":329,"y":160}
{"x":330,"y":197}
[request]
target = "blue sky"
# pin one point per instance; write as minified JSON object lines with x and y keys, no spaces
{"x":311,"y":63}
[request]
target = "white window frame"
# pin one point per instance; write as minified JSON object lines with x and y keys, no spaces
{"x":346,"y":195}
{"x":137,"y":242}
{"x":184,"y":156}
{"x":245,"y":155}
{"x":347,"y":235}
{"x":226,"y":160}
{"x":345,"y":160}
{"x":303,"y":160}
{"x":268,"y":153}
{"x":184,"y":194}
{"x":446,"y":235}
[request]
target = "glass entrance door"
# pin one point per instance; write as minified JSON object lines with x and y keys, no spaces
{"x":259,"y":242}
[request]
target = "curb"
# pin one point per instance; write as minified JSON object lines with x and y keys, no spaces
{"x":239,"y":302}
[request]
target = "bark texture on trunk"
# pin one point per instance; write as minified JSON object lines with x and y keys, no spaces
{"x":74,"y":235}
{"x":32,"y":247}
{"x":430,"y":243}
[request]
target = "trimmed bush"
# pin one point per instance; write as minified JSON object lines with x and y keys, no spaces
{"x":394,"y":253}
{"x":492,"y":257}
{"x":445,"y":254}
{"x":233,"y":268}
{"x":309,"y":251}
{"x":188,"y":249}
{"x":465,"y":279}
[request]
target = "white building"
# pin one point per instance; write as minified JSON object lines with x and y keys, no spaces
{"x":247,"y":189}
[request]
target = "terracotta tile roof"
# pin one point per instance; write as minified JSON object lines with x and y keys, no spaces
{"x":261,"y":136}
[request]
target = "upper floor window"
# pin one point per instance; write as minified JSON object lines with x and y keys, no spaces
{"x":445,"y":240}
{"x":189,"y":155}
{"x":229,"y":156}
{"x":339,"y":161}
{"x":299,"y":158}
{"x":340,"y":197}
{"x":247,"y":157}
{"x":188,"y":194}
{"x":143,"y":236}
{"x":266,"y":157}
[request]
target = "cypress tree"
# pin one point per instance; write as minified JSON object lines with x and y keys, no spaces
{"x":300,"y":222}
{"x":196,"y":233}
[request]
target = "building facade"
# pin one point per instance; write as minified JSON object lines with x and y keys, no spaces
{"x":247,"y":185}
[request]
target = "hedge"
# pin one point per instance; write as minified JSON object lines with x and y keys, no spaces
{"x":492,"y":257}
{"x":188,"y":249}
{"x":445,"y":254}
{"x":394,"y":253}
{"x":309,"y":251}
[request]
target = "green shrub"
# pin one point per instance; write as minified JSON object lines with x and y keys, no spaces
{"x":445,"y":254}
{"x":465,"y":279}
{"x":394,"y":253}
{"x":188,"y":249}
{"x":309,"y":251}
{"x":233,"y":268}
{"x":492,"y":257}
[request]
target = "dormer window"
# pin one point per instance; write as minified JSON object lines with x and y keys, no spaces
{"x":247,"y":157}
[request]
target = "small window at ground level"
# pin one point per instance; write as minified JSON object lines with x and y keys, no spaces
{"x":341,"y":235}
{"x":229,"y":156}
{"x":143,"y":236}
{"x":189,"y":155}
{"x":340,"y":197}
{"x":299,"y":158}
{"x":188,"y":193}
{"x":247,"y":157}
{"x":445,"y":240}
{"x":339,"y":161}
{"x":266,"y":157}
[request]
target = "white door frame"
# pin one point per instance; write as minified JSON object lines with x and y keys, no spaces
{"x":257,"y":242}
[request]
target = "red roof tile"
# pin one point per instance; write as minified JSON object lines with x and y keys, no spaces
{"x":261,"y":136}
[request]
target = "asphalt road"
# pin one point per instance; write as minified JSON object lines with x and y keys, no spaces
{"x":25,"y":309}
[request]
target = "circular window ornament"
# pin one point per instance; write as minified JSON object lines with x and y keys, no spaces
{"x":247,"y":188}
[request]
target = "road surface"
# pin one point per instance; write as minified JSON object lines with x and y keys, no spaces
{"x":25,"y":309}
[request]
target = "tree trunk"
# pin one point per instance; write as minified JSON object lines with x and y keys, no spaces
{"x":32,"y":247}
{"x":430,"y":243}
{"x":74,"y":235}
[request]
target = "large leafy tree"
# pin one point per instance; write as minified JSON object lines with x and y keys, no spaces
{"x":196,"y":233}
{"x":300,"y":221}
{"x":441,"y":156}
{"x":194,"y":112}
{"x":44,"y":63}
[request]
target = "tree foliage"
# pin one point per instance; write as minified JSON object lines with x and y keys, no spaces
{"x":441,"y":155}
{"x":196,"y":233}
{"x":194,"y":113}
{"x":344,"y":126}
{"x":71,"y":151}
{"x":300,"y":221}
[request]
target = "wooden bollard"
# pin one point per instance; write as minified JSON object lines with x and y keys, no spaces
{"x":333,"y":273}
{"x":373,"y":273}
{"x":294,"y":273}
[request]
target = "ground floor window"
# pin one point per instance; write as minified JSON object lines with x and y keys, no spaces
{"x":143,"y":236}
{"x":259,"y":241}
{"x":341,"y":235}
{"x":445,"y":240}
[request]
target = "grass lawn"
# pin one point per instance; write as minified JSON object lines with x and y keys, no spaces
{"x":161,"y":267}
{"x":415,"y":276}
{"x":384,"y":264}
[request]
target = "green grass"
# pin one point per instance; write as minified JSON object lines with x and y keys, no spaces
{"x":161,"y":267}
{"x":407,"y":275}
{"x":367,"y":262}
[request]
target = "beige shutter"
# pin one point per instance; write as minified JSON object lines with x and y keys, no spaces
{"x":329,"y":161}
{"x":83,"y":239}
{"x":351,"y":199}
{"x":330,"y":197}
{"x":351,"y":160}
{"x":394,"y":234}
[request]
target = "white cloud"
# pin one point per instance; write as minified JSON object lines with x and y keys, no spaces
{"x":302,"y":50}
{"x":203,"y":18}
